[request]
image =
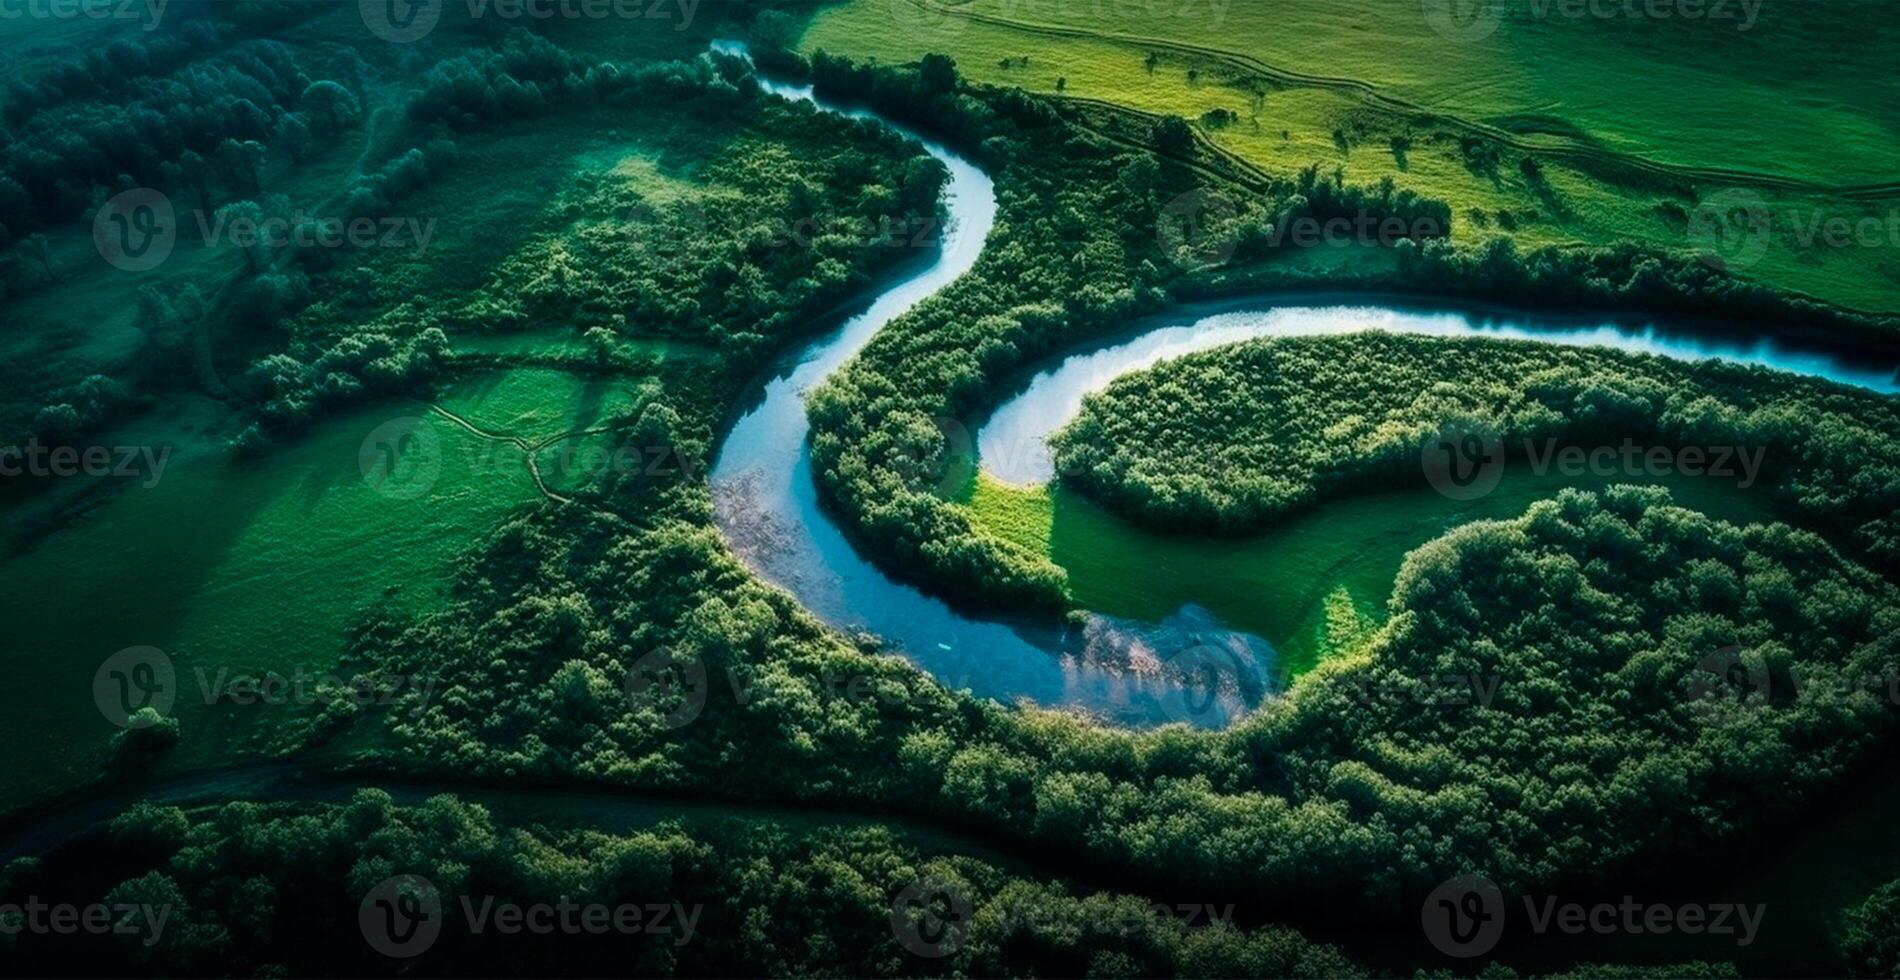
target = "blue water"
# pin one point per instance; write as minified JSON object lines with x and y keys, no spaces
{"x":1189,"y":668}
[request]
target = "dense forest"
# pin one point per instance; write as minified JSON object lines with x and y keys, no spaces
{"x":276,"y":890}
{"x":1592,"y":614}
{"x":1610,"y":751}
{"x":1238,"y":437}
{"x":279,"y":890}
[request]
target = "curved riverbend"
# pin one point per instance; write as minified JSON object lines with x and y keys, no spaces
{"x":766,"y":505}
{"x":1013,"y":443}
{"x":1187,"y":668}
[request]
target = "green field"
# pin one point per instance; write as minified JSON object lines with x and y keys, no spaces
{"x":252,"y":566}
{"x":1596,"y":191}
{"x":1535,"y":68}
{"x":1281,"y":583}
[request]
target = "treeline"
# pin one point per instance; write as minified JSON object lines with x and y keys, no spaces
{"x":528,"y":73}
{"x":185,"y":31}
{"x":202,"y":131}
{"x":279,"y":889}
{"x":1234,"y":438}
{"x":1628,"y":276}
{"x":105,"y":70}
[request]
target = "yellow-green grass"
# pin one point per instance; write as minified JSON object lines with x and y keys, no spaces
{"x":1803,"y":88}
{"x":1282,"y":128}
{"x":1289,"y":581}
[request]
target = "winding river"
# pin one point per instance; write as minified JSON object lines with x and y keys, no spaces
{"x":1187,"y":667}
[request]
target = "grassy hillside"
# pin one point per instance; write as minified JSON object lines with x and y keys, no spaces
{"x":1374,"y":91}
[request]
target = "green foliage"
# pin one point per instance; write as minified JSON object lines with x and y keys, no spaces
{"x":274,"y":889}
{"x":204,"y":123}
{"x":1082,"y":254}
{"x":1870,"y":939}
{"x":1236,"y":437}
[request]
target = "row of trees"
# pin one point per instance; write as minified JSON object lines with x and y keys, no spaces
{"x":527,"y":73}
{"x":275,"y":890}
{"x":1624,"y":276}
{"x":202,"y":131}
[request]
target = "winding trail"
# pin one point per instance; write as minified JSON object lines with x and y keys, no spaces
{"x":531,"y":451}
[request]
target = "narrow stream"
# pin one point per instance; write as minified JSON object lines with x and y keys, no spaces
{"x":1188,"y":666}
